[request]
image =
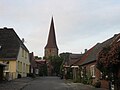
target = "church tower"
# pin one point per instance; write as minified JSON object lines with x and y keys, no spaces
{"x":51,"y":48}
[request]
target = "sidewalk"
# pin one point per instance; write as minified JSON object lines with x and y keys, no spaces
{"x":80,"y":86}
{"x":16,"y":84}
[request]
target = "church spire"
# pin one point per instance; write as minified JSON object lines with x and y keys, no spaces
{"x":51,"y":43}
{"x":51,"y":48}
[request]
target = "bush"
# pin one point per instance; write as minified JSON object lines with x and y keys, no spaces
{"x":86,"y":80}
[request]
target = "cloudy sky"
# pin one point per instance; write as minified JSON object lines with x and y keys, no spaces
{"x":79,"y":24}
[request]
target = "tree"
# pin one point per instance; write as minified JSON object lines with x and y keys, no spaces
{"x":56,"y":62}
{"x":43,"y":70}
{"x":109,"y":61}
{"x":109,"y":58}
{"x":65,"y":58}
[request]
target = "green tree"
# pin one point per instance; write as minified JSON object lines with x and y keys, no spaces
{"x":65,"y":58}
{"x":56,"y":62}
{"x":43,"y":69}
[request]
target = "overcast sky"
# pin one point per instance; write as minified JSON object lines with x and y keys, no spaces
{"x":79,"y":24}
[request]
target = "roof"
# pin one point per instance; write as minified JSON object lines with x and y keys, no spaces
{"x":77,"y":61}
{"x":73,"y":58}
{"x":10,"y":44}
{"x":51,"y":43}
{"x":92,"y":54}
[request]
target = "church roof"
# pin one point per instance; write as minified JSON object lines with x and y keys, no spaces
{"x":51,"y":43}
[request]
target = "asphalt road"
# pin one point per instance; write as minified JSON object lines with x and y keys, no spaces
{"x":54,"y":83}
{"x":47,"y":83}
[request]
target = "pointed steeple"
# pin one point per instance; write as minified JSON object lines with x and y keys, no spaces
{"x":51,"y":43}
{"x":51,"y":48}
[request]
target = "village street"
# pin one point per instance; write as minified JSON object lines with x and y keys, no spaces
{"x":54,"y":83}
{"x":44,"y":83}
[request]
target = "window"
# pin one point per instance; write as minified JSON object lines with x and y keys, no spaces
{"x":25,"y":55}
{"x":23,"y":67}
{"x":19,"y":66}
{"x":22,"y":52}
{"x":92,"y":70}
{"x":27,"y":68}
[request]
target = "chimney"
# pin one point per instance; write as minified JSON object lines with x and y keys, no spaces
{"x":23,"y":40}
{"x":85,"y":50}
{"x":5,"y":28}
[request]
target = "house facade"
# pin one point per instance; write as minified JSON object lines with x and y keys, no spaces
{"x":90,"y":72}
{"x":14,"y":54}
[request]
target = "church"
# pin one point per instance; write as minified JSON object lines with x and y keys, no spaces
{"x":51,"y":48}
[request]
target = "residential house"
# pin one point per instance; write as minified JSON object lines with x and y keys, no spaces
{"x":13,"y":53}
{"x":89,"y":72}
{"x":69,"y":69}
